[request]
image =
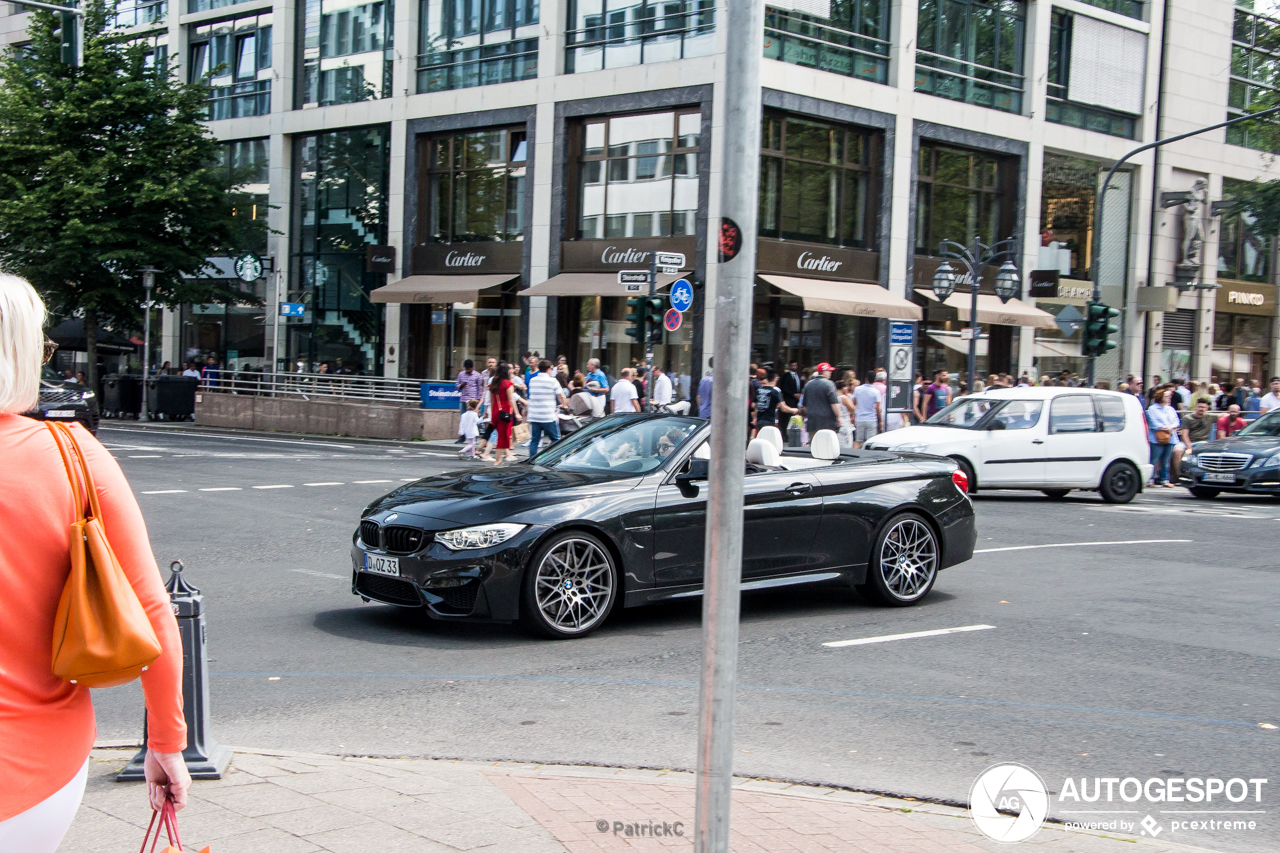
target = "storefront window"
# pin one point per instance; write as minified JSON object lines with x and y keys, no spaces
{"x":466,"y":43}
{"x":340,"y":206}
{"x":638,"y":175}
{"x":1241,"y":347}
{"x":971,"y":50}
{"x":943,"y":348}
{"x":347,"y":51}
{"x":1066,"y":215}
{"x":477,"y":186}
{"x":232,"y":335}
{"x":620,"y":33}
{"x":844,"y":38}
{"x":234,"y":58}
{"x":816,"y":183}
{"x":960,"y":197}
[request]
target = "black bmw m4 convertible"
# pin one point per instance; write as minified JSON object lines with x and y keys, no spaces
{"x":615,"y":515}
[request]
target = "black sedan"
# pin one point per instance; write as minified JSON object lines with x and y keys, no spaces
{"x":616,"y":514}
{"x":1246,"y":463}
{"x":62,"y":400}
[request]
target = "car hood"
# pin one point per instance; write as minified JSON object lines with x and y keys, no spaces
{"x":1260,"y":446}
{"x":486,"y":496}
{"x":926,"y":435}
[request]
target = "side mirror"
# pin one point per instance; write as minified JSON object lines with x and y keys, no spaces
{"x":687,"y":480}
{"x":998,"y":424}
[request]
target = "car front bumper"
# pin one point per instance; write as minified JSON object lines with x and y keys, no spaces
{"x":1257,"y":481}
{"x":480,"y":584}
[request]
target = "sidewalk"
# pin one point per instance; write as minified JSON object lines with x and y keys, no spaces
{"x":297,"y":803}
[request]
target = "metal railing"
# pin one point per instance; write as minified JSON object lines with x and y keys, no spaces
{"x":308,"y":386}
{"x":482,"y":65}
{"x":800,"y":41}
{"x":971,"y":82}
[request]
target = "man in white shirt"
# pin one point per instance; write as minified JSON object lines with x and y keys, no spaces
{"x":623,"y":397}
{"x":545,"y":396}
{"x":661,"y":394}
{"x":868,"y":412}
{"x":1272,"y":400}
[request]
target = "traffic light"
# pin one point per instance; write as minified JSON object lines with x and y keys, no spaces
{"x":654,"y":311}
{"x":65,"y":31}
{"x":638,"y":308}
{"x":1098,"y":329}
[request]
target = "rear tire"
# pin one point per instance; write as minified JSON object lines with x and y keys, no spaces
{"x":904,"y":562}
{"x":1056,"y":494}
{"x":1120,"y":483}
{"x":1205,"y":493}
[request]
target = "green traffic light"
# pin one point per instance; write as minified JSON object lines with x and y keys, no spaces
{"x":1098,"y":329}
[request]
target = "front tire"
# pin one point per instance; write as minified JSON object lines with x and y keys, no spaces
{"x":1205,"y":493}
{"x":1119,"y":483}
{"x":904,"y":562}
{"x":1056,"y":494}
{"x":569,"y":586}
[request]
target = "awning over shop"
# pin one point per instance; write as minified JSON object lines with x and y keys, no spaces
{"x":846,"y":297}
{"x":1043,"y":349}
{"x":439,"y":288}
{"x":591,"y":284}
{"x":1015,"y":312}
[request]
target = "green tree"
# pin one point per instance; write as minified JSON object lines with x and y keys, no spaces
{"x":106,"y":169}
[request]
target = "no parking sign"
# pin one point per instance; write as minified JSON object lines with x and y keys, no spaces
{"x":671,"y":321}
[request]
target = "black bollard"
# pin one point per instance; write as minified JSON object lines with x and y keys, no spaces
{"x":205,"y":757}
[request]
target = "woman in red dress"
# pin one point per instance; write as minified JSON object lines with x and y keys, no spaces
{"x":503,"y":393}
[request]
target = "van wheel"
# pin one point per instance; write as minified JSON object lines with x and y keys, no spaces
{"x":1205,"y":493}
{"x":1056,"y":494}
{"x":1119,"y":483}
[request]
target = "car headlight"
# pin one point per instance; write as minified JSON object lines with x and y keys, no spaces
{"x":1189,"y":459}
{"x":1272,"y":461}
{"x":483,"y":536}
{"x":918,"y":447}
{"x":88,"y":395}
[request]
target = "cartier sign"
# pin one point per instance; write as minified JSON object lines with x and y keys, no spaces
{"x":380,"y":259}
{"x":809,"y":260}
{"x":1246,"y":297}
{"x":465,"y":258}
{"x":621,"y":254}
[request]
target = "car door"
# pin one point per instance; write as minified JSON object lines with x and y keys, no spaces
{"x":1013,"y":446}
{"x":1072,"y":447}
{"x":679,"y":534}
{"x":781,"y":514}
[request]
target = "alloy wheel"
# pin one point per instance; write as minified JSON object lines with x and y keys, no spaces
{"x":573,"y":586}
{"x":908,"y":559}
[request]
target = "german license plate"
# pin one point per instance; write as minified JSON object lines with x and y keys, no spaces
{"x":382,"y":565}
{"x":1218,"y":478}
{"x":60,"y":413}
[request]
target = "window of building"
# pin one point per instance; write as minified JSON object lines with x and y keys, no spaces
{"x":1067,"y":198}
{"x":339,"y":207}
{"x":1128,"y":8}
{"x":248,"y":174}
{"x":1243,"y":254}
{"x":347,"y":51}
{"x":234,"y":58}
{"x":971,"y":50}
{"x":206,"y":5}
{"x":466,"y":43}
{"x":961,"y":195}
{"x":620,"y":33}
{"x":638,"y":175}
{"x":844,"y":38}
{"x":1059,"y":108}
{"x":817,"y":182}
{"x":1255,"y":69}
{"x":476,"y":186}
{"x":138,"y":13}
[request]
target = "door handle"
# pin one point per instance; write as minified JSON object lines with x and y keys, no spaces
{"x":1037,"y":441}
{"x":799,"y":488}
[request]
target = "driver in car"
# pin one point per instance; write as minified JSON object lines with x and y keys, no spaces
{"x":669,"y":442}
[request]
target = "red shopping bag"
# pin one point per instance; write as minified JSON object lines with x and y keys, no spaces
{"x":169,"y":822}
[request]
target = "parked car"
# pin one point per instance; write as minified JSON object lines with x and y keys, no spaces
{"x":1246,"y":463}
{"x":615,"y":515}
{"x":62,"y":400}
{"x":1051,"y":439}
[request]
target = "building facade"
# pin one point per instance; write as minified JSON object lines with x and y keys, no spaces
{"x":464,"y":179}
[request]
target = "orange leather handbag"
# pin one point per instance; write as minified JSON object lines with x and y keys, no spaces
{"x":101,"y":635}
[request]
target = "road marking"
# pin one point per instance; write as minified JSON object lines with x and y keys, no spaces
{"x":324,"y":484}
{"x":223,"y":489}
{"x":320,"y":574}
{"x":167,"y":492}
{"x":273,"y":487}
{"x":371,"y":481}
{"x":913,"y":635}
{"x":409,"y":479}
{"x":185,"y":434}
{"x":145,"y":457}
{"x":1080,"y":545}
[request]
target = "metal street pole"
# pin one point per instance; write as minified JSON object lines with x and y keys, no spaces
{"x":735,"y":279}
{"x":974,"y":282}
{"x":149,"y":282}
{"x":275,"y":328}
{"x":1106,"y":183}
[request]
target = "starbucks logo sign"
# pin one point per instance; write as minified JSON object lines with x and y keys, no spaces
{"x":248,"y":267}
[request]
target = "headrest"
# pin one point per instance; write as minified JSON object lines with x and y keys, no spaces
{"x":762,"y":452}
{"x":825,"y":445}
{"x":703,"y":451}
{"x":773,"y":435}
{"x":680,"y":408}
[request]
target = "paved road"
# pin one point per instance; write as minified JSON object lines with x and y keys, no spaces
{"x":1143,"y":659}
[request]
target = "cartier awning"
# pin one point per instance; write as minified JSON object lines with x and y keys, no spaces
{"x":438,"y":288}
{"x":592,"y":284}
{"x":846,"y":297}
{"x":1015,"y":312}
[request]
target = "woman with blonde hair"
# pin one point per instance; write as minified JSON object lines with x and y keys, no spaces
{"x":46,"y":723}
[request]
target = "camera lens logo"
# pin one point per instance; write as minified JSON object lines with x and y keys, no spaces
{"x":1008,"y":788}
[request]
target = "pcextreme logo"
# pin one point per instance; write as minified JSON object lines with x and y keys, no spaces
{"x":1011,"y":788}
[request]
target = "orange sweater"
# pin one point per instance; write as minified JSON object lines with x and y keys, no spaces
{"x":46,"y":724}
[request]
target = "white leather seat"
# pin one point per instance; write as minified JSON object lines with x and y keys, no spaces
{"x":762,"y":452}
{"x":703,"y":451}
{"x":773,"y":435}
{"x":825,"y":445}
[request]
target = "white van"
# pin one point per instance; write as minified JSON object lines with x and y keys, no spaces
{"x":1051,"y":439}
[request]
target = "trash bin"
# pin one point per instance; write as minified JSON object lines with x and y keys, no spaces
{"x":121,"y":395}
{"x":172,"y":397}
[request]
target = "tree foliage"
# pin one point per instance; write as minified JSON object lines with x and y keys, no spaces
{"x":106,"y":169}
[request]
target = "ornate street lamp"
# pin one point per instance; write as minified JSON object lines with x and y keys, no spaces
{"x":944,"y":281}
{"x":974,"y":258}
{"x":1008,"y":285}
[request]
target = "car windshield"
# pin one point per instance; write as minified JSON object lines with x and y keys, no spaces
{"x":626,"y":445}
{"x":963,"y":413}
{"x":1267,"y":426}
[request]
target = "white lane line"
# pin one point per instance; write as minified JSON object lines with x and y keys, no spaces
{"x":273,"y":487}
{"x":409,"y":479}
{"x":1080,"y":545}
{"x":167,"y":492}
{"x":324,"y":484}
{"x":185,"y":434}
{"x":371,"y":481}
{"x":320,"y":574}
{"x":223,"y":489}
{"x":131,"y":456}
{"x":914,"y":634}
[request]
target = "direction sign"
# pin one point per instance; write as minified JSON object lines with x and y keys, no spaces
{"x":672,"y":320}
{"x":633,"y":276}
{"x":1069,"y":320}
{"x":292,"y":309}
{"x":248,"y":267}
{"x":966,"y":334}
{"x":681,"y":296}
{"x":670,"y":259}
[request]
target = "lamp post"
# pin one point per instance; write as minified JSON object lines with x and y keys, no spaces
{"x":149,"y":282}
{"x":1007,"y":286}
